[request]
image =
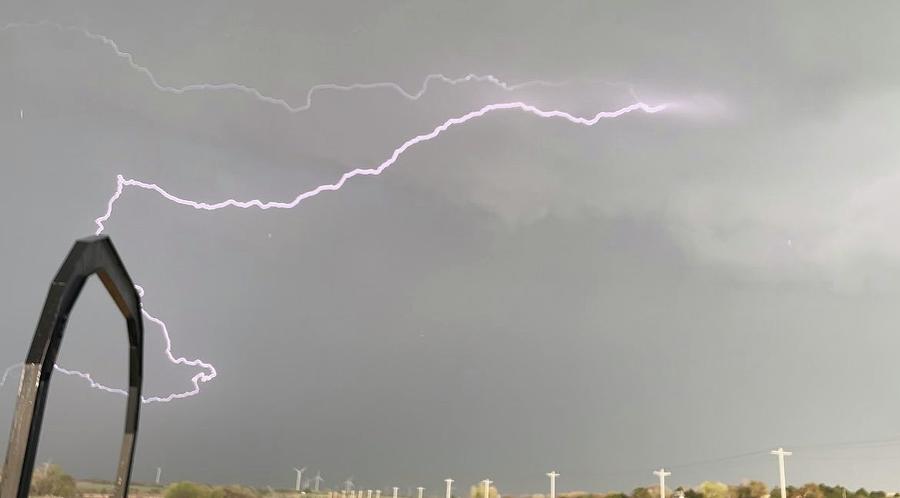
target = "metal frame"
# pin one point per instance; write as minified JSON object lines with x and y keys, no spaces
{"x":88,"y":256}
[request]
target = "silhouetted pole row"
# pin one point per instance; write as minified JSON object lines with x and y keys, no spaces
{"x":486,"y":484}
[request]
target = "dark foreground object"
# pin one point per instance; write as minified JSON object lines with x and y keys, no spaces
{"x":89,"y":256}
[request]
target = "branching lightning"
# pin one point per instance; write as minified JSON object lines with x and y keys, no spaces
{"x":206,"y":376}
{"x":259,"y":95}
{"x":201,"y":377}
{"x":209,"y":372}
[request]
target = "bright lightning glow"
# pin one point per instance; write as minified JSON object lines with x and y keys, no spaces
{"x":258,"y":95}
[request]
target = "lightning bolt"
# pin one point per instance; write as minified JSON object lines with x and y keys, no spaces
{"x":206,"y":376}
{"x":209,"y":372}
{"x":122,"y":182}
{"x":201,"y":377}
{"x":259,"y":95}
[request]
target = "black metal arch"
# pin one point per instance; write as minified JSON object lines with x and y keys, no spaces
{"x":88,"y":256}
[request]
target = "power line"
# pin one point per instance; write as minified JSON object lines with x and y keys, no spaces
{"x":848,"y":444}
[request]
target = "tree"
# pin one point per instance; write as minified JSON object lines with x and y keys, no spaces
{"x":810,"y":490}
{"x":751,"y":489}
{"x":831,"y":492}
{"x":186,"y":490}
{"x":714,"y":489}
{"x":233,"y":491}
{"x":50,"y":480}
{"x":477,"y":491}
{"x":642,"y":493}
{"x":692,"y":493}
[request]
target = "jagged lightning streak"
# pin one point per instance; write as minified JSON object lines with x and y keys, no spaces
{"x":122,"y":182}
{"x":209,"y":374}
{"x":206,"y":376}
{"x":258,"y":95}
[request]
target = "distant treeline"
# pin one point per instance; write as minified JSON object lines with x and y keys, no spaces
{"x":50,"y":480}
{"x":748,"y":489}
{"x":708,"y":489}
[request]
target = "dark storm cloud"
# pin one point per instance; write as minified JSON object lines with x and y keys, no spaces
{"x":518,"y":295}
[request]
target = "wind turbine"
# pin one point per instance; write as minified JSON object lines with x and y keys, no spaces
{"x":299,"y":477}
{"x":318,"y":480}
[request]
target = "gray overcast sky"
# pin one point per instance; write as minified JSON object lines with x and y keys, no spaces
{"x":518,"y":295}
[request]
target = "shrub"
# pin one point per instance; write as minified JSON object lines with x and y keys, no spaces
{"x":186,"y":490}
{"x":50,"y":480}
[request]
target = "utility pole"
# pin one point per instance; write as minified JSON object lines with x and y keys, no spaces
{"x":662,"y":473}
{"x":781,"y":454}
{"x":553,"y":475}
{"x":449,"y":493}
